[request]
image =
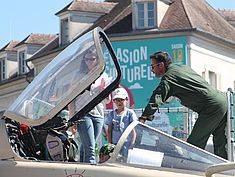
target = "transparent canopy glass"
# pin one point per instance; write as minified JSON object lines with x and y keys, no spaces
{"x":66,"y":77}
{"x":155,"y":148}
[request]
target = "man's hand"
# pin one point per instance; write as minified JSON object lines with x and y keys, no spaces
{"x":142,"y":119}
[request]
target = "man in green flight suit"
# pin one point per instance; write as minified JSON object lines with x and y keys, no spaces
{"x":195,"y":93}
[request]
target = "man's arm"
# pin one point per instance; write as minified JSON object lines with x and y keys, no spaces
{"x":159,"y":95}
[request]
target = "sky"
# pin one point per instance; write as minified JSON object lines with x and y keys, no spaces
{"x":20,"y":18}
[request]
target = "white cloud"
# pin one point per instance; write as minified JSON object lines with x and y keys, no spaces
{"x":136,"y":86}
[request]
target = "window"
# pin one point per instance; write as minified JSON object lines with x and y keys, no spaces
{"x":145,"y":14}
{"x":140,"y":7}
{"x":64,"y":31}
{"x":151,"y":14}
{"x":22,"y":63}
{"x":204,"y":75}
{"x":212,"y":79}
{"x":3,"y":68}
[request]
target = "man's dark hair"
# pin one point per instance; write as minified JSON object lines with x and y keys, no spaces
{"x":161,"y":56}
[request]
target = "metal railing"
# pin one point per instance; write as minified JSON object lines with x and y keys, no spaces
{"x":230,"y":125}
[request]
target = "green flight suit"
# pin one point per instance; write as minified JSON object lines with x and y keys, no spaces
{"x":195,"y":93}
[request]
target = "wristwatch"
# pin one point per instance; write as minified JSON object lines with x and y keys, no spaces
{"x":142,"y":118}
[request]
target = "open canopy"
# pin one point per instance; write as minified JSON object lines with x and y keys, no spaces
{"x":65,"y":78}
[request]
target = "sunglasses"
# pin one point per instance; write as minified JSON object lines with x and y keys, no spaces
{"x":119,"y":100}
{"x":154,"y":65}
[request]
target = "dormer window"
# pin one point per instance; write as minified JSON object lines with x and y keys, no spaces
{"x":145,"y":14}
{"x":3,"y":68}
{"x":22,"y":63}
{"x":64,"y":31}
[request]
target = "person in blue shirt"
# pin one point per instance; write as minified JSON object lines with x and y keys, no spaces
{"x":119,"y":119}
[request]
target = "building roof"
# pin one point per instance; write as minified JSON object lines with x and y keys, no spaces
{"x":40,"y":39}
{"x":117,"y":14}
{"x":10,"y":46}
{"x":201,"y":15}
{"x":186,"y":14}
{"x":84,"y":6}
{"x":181,"y":15}
{"x":176,"y":17}
{"x":227,"y":14}
{"x":52,"y":46}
